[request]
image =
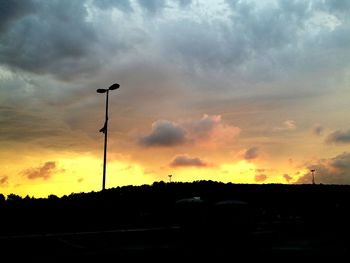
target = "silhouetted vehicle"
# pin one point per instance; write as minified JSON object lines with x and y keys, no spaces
{"x":190,"y":212}
{"x":230,"y":215}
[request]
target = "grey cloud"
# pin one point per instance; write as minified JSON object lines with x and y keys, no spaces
{"x":271,"y":27}
{"x":152,"y":6}
{"x":54,"y":39}
{"x":184,"y":3}
{"x":251,"y":33}
{"x":251,"y":42}
{"x":185,"y":161}
{"x":334,"y":170}
{"x":339,"y":136}
{"x":337,"y":6}
{"x":155,"y":6}
{"x":44,"y":171}
{"x":13,"y":10}
{"x":164,"y":133}
{"x":251,"y":153}
{"x":341,"y":161}
{"x":257,"y":42}
{"x":123,"y":5}
{"x":209,"y":129}
{"x":193,"y":48}
{"x":202,"y":128}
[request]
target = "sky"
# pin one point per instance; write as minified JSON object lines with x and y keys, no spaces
{"x":224,"y":90}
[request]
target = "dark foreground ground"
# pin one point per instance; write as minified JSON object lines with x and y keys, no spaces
{"x":198,"y":221}
{"x":175,"y":243}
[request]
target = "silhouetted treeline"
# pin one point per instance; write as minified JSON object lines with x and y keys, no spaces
{"x":194,"y":205}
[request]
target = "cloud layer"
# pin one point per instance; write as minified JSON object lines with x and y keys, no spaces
{"x":254,"y":39}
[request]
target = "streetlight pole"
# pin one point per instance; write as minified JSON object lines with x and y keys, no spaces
{"x":104,"y":130}
{"x":105,"y":144}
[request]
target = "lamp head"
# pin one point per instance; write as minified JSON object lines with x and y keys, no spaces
{"x":114,"y":86}
{"x":101,"y":90}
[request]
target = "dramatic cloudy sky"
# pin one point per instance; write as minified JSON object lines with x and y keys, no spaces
{"x":225,"y":90}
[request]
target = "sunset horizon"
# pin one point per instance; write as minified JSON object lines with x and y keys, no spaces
{"x":245,"y":92}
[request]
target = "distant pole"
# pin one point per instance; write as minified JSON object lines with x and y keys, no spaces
{"x":170,"y":175}
{"x":313,"y":175}
{"x":104,"y":130}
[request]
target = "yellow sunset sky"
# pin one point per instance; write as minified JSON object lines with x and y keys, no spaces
{"x":229,"y":91}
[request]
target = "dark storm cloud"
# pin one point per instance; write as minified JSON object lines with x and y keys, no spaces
{"x":164,"y":133}
{"x":55,"y":39}
{"x":44,"y":171}
{"x":13,"y":10}
{"x":334,"y":170}
{"x":251,"y":153}
{"x":338,"y":136}
{"x":252,"y":40}
{"x":185,"y":161}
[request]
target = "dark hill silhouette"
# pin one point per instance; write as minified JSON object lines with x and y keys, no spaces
{"x":200,"y":216}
